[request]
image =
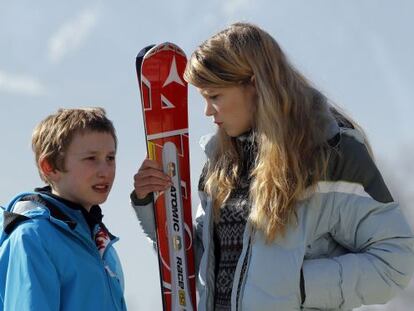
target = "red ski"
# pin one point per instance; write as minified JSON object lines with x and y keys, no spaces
{"x":164,"y":102}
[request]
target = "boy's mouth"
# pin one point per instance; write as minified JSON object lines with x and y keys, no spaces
{"x":102,"y":188}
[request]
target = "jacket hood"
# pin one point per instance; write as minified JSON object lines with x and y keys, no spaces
{"x":37,"y":207}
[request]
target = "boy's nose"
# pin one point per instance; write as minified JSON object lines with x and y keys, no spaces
{"x":105,"y":169}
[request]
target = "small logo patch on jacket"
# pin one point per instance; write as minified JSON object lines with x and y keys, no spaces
{"x":102,"y":240}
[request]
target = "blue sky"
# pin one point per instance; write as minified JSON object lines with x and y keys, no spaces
{"x":81,"y":53}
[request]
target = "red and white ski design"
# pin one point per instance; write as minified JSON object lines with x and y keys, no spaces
{"x":164,"y":101}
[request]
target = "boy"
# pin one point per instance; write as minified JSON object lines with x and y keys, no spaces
{"x":55,"y":252}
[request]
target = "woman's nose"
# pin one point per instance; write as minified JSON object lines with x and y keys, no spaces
{"x":209,"y":109}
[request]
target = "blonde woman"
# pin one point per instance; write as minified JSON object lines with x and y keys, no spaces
{"x":294,"y":213}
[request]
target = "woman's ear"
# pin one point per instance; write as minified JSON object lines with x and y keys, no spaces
{"x":47,"y":169}
{"x":252,"y":85}
{"x":253,"y":82}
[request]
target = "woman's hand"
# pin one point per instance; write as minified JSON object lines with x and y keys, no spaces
{"x":150,"y":178}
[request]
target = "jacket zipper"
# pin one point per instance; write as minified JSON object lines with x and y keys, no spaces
{"x":103,"y":264}
{"x":95,"y":251}
{"x":207,"y":242}
{"x":239,"y":278}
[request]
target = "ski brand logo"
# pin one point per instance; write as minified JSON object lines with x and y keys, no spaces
{"x":176,"y":221}
{"x":173,"y":75}
{"x":171,"y":172}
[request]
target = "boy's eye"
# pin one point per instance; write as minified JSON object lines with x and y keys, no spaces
{"x":111,"y":158}
{"x":213,"y":97}
{"x":91,"y":158}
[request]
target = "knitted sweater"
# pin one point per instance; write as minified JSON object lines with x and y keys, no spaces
{"x":228,"y":230}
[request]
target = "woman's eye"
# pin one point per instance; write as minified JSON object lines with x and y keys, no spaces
{"x":213,"y":97}
{"x":90,"y":158}
{"x":111,"y":158}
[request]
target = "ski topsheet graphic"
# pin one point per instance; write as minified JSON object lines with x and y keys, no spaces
{"x":163,"y":90}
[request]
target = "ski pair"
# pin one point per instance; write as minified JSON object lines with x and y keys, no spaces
{"x":163,"y":92}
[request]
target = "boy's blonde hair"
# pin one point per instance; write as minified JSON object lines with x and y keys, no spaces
{"x":52,"y":136}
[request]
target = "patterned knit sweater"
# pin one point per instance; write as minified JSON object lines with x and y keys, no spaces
{"x":228,"y":231}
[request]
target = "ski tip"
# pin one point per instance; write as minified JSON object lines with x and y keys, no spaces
{"x":175,"y":47}
{"x":144,"y":50}
{"x":141,"y":54}
{"x":139,"y":59}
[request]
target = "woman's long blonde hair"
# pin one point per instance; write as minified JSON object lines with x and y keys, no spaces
{"x":291,"y":120}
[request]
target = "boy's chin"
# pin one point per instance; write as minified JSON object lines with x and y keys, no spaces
{"x":100,"y":200}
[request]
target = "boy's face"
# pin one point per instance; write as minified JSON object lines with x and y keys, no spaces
{"x":90,"y":169}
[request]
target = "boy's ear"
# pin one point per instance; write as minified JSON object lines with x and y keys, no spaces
{"x":47,"y":169}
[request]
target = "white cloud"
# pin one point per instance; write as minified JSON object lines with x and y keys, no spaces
{"x":70,"y":36}
{"x":230,"y":11}
{"x":231,"y":8}
{"x":21,"y":84}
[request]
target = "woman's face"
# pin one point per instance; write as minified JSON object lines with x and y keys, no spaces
{"x":232,"y":108}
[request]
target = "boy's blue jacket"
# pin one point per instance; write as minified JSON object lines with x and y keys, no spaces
{"x":49,"y":260}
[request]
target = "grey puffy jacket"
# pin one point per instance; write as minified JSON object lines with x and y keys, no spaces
{"x":351,"y":242}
